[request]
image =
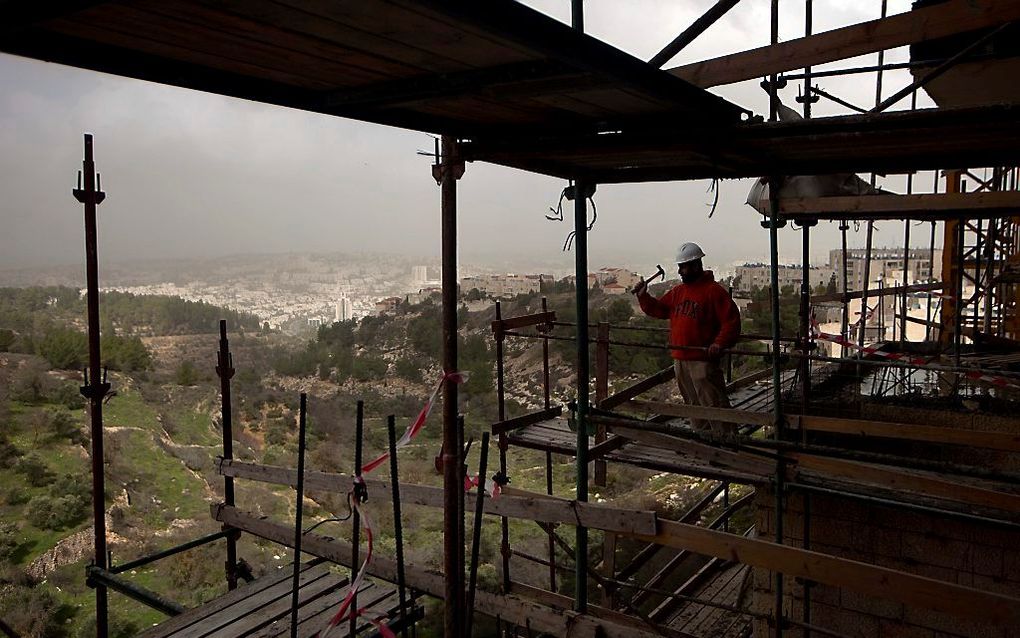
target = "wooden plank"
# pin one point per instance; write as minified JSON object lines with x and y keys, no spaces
{"x":955,"y":16}
{"x":280,"y":580}
{"x":638,"y":388}
{"x":560,"y":601}
{"x":502,"y":427}
{"x":263,"y":610}
{"x":315,"y":614}
{"x":510,"y":608}
{"x":926,"y":206}
{"x":749,"y":379}
{"x":877,"y":292}
{"x":726,"y":415}
{"x":607,"y":446}
{"x":512,"y":503}
{"x":872,"y":580}
{"x":511,"y":323}
{"x":749,"y":467}
{"x":887,"y":477}
{"x":932,"y":434}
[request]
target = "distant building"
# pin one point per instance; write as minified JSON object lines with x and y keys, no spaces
{"x":622,"y":276}
{"x":886,"y":265}
{"x":344,"y":309}
{"x":419,"y":274}
{"x":389,"y":304}
{"x":613,"y":288}
{"x":751,"y":276}
{"x":508,"y":285}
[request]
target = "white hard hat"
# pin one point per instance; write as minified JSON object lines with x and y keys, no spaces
{"x":689,"y":252}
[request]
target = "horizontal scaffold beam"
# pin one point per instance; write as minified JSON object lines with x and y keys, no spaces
{"x":514,"y":503}
{"x":1003,"y":441}
{"x":512,"y":609}
{"x":926,"y":207}
{"x":872,"y":580}
{"x":950,"y":18}
{"x":877,"y":292}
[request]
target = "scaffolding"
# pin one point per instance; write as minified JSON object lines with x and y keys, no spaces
{"x":818,"y":432}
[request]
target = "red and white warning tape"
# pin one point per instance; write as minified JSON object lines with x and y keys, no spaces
{"x":346,"y":611}
{"x":976,"y":375}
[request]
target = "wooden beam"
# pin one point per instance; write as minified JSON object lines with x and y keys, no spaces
{"x":877,"y":292}
{"x":657,"y":379}
{"x":902,"y":480}
{"x":502,"y":427}
{"x":607,"y":446}
{"x":1004,"y":441}
{"x":728,"y":465}
{"x":539,"y":318}
{"x":872,"y":580}
{"x":513,"y":609}
{"x":726,"y":415}
{"x":512,"y":503}
{"x":922,"y":207}
{"x":951,"y":18}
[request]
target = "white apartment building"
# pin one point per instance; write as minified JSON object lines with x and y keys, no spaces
{"x":344,"y":309}
{"x":886,"y":265}
{"x":507,"y":285}
{"x":750,"y":276}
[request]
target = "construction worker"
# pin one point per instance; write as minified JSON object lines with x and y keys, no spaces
{"x":701,"y":314}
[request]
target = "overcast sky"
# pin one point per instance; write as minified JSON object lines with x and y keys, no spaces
{"x":190,"y":174}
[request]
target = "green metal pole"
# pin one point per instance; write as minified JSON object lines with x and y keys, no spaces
{"x":583,"y":390}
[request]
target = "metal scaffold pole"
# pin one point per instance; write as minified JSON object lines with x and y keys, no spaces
{"x":447,"y":172}
{"x":95,"y":386}
{"x":583,"y":390}
{"x":225,"y":370}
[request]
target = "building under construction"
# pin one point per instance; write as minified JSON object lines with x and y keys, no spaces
{"x":881,"y":471}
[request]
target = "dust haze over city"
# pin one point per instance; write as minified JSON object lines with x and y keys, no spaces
{"x":191,"y":175}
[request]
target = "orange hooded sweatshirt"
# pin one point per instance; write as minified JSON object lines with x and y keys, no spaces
{"x":699,"y":313}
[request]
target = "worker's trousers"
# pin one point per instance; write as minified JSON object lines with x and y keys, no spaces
{"x":702,"y":383}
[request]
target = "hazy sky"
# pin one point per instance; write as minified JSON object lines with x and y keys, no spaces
{"x":190,"y":174}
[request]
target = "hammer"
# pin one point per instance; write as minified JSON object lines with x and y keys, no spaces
{"x":659,"y":272}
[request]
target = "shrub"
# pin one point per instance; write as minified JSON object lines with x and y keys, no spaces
{"x":56,"y":512}
{"x":30,"y":383}
{"x":35,"y":470}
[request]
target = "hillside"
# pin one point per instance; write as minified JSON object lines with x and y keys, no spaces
{"x":162,"y":434}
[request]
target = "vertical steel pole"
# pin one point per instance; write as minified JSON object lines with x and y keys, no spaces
{"x":844,"y":325}
{"x":225,"y":370}
{"x":95,"y":386}
{"x":931,"y":277}
{"x":777,"y":393}
{"x":504,"y":523}
{"x":398,"y":523}
{"x":548,"y":454}
{"x":581,"y":285}
{"x":805,"y":312}
{"x":453,"y":525}
{"x":583,"y":390}
{"x":299,"y":511}
{"x":601,"y":392}
{"x":476,"y":532}
{"x":545,"y":359}
{"x":359,"y":439}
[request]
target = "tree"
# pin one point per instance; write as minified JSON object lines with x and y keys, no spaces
{"x":186,"y":374}
{"x":64,"y":348}
{"x":30,"y":383}
{"x":619,"y":311}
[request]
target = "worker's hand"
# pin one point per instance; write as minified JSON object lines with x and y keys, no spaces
{"x":641,"y":287}
{"x":714,"y":351}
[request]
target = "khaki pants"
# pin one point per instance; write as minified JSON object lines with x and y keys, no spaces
{"x":702,"y":383}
